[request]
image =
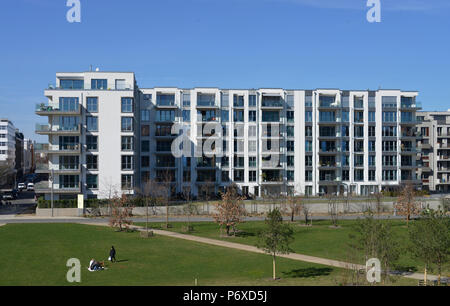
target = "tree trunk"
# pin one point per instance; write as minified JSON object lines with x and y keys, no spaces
{"x":292,"y":216}
{"x":425,"y":275}
{"x":167,"y":214}
{"x":274,"y":270}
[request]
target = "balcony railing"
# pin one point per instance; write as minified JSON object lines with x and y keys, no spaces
{"x":46,"y":128}
{"x":48,"y":109}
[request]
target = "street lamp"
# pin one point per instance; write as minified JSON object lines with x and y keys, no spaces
{"x":51,"y":194}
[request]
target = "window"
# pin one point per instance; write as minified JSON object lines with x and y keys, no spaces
{"x":252,"y":131}
{"x":165,"y":99}
{"x":290,"y":146}
{"x":186,"y":116}
{"x":308,"y":116}
{"x":371,"y":116}
{"x":371,"y":131}
{"x":127,"y":162}
{"x":145,"y":115}
{"x":92,"y":142}
{"x":238,"y":116}
{"x":389,"y":175}
{"x":308,"y":161}
{"x":371,"y":146}
{"x":92,"y":123}
{"x":389,"y":102}
{"x":92,"y":162}
{"x":389,"y":131}
{"x":345,"y":175}
{"x":252,"y":100}
{"x":290,"y":116}
{"x":68,"y":104}
{"x":238,"y":175}
{"x":345,"y":116}
{"x":92,"y":105}
{"x":69,"y":181}
{"x":238,"y":101}
{"x":92,"y":181}
{"x":145,"y":161}
{"x":186,"y":99}
{"x":290,"y":161}
{"x":147,"y":97}
{"x":327,"y":116}
{"x":145,"y":147}
{"x":99,"y":84}
{"x":127,"y":181}
{"x":308,"y":131}
{"x":127,"y":143}
{"x":389,"y":146}
{"x":225,"y":100}
{"x":252,"y":176}
{"x":389,"y":116}
{"x":308,"y":101}
{"x":121,"y":84}
{"x":389,"y":160}
{"x":252,"y":146}
{"x":252,"y":162}
{"x":71,"y":84}
{"x":290,"y":101}
{"x":69,"y":163}
{"x":359,"y":175}
{"x":290,"y":131}
{"x":308,"y":176}
{"x":290,"y":175}
{"x":371,"y":160}
{"x":127,"y":124}
{"x":308,"y":146}
{"x":225,"y":176}
{"x":145,"y":130}
{"x":127,"y":105}
{"x":165,"y":115}
{"x":252,"y":116}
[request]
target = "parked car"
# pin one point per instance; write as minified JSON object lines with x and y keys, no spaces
{"x":22,"y":186}
{"x":10,"y":195}
{"x":30,"y":187}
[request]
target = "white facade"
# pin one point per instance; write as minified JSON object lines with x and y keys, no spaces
{"x":7,"y":141}
{"x":276,"y":141}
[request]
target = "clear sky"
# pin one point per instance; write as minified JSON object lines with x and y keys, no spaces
{"x":293,"y":44}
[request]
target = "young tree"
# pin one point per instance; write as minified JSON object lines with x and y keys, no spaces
{"x":153,"y":195}
{"x":305,"y":209}
{"x":375,"y":238}
{"x":189,"y":208}
{"x":166,"y":190}
{"x":229,"y":210}
{"x":430,"y":238}
{"x":276,"y":237}
{"x":406,"y":203}
{"x":121,"y":213}
{"x":333,"y":208}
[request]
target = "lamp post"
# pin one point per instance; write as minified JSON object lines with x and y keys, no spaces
{"x":51,"y":194}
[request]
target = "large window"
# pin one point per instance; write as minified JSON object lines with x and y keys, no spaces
{"x":389,"y":131}
{"x":92,"y":162}
{"x":252,"y":100}
{"x":92,"y":181}
{"x":389,"y":116}
{"x":127,"y":162}
{"x":238,"y":115}
{"x":92,"y":104}
{"x":92,"y":123}
{"x":127,"y":181}
{"x":327,"y":116}
{"x":165,"y":115}
{"x":389,"y":102}
{"x":308,"y":116}
{"x":127,"y":105}
{"x":71,"y":84}
{"x":127,"y":124}
{"x":68,"y":104}
{"x":165,"y":99}
{"x":99,"y":84}
{"x":271,"y":116}
{"x":127,"y":143}
{"x":92,"y":142}
{"x":252,"y":116}
{"x":145,"y":115}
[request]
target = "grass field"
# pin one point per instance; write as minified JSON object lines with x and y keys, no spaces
{"x":36,"y":254}
{"x":319,"y":240}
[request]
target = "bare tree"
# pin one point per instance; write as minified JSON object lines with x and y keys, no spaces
{"x":190,"y":208}
{"x":109,"y":191}
{"x":166,"y":186}
{"x":406,"y":204}
{"x":294,"y":204}
{"x":333,"y":208}
{"x":305,"y":209}
{"x":153,"y":195}
{"x":229,"y":210}
{"x":121,"y":213}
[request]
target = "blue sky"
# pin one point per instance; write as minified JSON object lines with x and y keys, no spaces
{"x":294,"y":44}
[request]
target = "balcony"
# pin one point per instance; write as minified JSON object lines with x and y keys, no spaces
{"x":443,"y":135}
{"x":443,"y":157}
{"x":46,"y":187}
{"x":58,"y":168}
{"x":46,"y":129}
{"x":413,"y":105}
{"x":47,"y":110}
{"x":57,"y":149}
{"x":272,"y":103}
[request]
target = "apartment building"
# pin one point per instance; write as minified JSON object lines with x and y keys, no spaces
{"x":7,"y":142}
{"x":92,"y":140}
{"x":434,"y":146}
{"x":267,"y":141}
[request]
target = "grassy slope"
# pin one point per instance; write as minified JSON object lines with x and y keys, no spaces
{"x":36,"y":254}
{"x":319,"y":240}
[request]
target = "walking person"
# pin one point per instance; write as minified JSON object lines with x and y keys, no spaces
{"x":112,"y":254}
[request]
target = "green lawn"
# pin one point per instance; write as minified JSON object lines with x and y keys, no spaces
{"x":36,"y":254}
{"x":319,"y":240}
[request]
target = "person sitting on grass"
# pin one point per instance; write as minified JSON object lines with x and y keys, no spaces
{"x":95,"y":265}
